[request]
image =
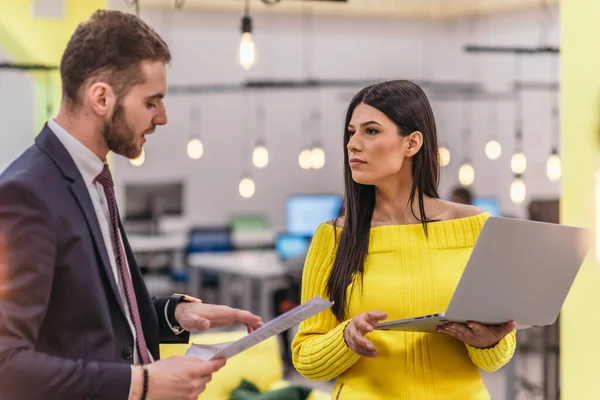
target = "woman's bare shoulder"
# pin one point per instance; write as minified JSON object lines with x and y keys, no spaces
{"x":338,"y":222}
{"x":456,"y":211}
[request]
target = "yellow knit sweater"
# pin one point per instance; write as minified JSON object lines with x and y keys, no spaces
{"x":406,"y":274}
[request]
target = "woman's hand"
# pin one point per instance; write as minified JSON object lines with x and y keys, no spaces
{"x":356,"y":330}
{"x":478,"y":335}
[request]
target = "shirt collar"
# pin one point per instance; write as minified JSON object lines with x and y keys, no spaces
{"x":88,"y":163}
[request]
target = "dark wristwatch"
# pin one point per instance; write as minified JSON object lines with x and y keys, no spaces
{"x":173,"y":302}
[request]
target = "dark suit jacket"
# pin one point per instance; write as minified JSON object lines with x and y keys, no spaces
{"x":63,"y":331}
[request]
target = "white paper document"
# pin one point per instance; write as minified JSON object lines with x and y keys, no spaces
{"x":274,"y":327}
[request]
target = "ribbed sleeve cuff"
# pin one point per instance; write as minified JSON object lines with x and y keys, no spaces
{"x":493,"y":359}
{"x":324,"y":357}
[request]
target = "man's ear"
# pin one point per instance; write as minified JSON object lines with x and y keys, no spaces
{"x":414,"y":143}
{"x":101,"y":98}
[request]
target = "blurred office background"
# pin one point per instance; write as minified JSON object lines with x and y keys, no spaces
{"x":225,"y":199}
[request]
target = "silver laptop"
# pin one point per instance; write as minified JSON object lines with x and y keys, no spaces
{"x":519,"y":270}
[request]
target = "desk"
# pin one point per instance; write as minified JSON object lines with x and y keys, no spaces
{"x":248,"y":239}
{"x":172,"y":244}
{"x":263,"y":268}
{"x":162,"y":243}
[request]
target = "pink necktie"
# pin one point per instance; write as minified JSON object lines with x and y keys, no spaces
{"x":105,"y":179}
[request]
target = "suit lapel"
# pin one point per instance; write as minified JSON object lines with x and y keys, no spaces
{"x":81,"y":193}
{"x":50,"y":144}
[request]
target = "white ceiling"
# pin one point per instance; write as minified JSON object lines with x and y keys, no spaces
{"x":419,"y":9}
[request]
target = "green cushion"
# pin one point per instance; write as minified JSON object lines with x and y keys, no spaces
{"x":249,"y":223}
{"x":248,"y":391}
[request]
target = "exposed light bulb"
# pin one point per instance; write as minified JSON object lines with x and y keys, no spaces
{"x":554,"y":167}
{"x":317,"y":158}
{"x":247,"y":55}
{"x":305,"y":159}
{"x":444,"y":156}
{"x":139,"y":161}
{"x":466,"y":174}
{"x":195,"y":149}
{"x":518,"y":191}
{"x":247,"y":188}
{"x":493,"y":149}
{"x":518,"y":162}
{"x":260,"y":157}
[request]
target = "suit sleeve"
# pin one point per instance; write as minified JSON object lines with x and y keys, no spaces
{"x":28,"y":247}
{"x":166,"y":334}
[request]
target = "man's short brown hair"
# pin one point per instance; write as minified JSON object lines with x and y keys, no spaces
{"x":110,"y":46}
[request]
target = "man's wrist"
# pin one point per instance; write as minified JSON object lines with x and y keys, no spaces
{"x":172,"y":304}
{"x":173,"y":308}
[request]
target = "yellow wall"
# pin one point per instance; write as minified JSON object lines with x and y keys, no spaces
{"x":580,"y":322}
{"x":28,"y":39}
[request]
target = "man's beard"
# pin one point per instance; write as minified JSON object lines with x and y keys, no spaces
{"x":120,"y":137}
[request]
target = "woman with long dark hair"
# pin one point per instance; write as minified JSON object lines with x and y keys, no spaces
{"x":397,"y":251}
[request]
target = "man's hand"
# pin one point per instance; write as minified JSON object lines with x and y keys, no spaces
{"x":175,"y":378}
{"x":200,"y":316}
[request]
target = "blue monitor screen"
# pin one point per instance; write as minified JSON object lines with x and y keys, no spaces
{"x":290,"y":246}
{"x":304,"y":213}
{"x":489,"y":204}
{"x":208,"y":240}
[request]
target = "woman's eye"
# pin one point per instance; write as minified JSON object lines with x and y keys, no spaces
{"x":351,"y":133}
{"x":151,"y":105}
{"x":372,"y":131}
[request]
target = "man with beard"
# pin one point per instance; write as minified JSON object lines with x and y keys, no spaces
{"x":76,"y":319}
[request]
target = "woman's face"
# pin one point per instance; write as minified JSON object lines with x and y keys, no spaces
{"x":377,"y":153}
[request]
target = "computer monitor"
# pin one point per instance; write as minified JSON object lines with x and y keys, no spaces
{"x":209,"y":239}
{"x":304,"y":213}
{"x":490,"y":204}
{"x":153,"y":200}
{"x":290,"y":245}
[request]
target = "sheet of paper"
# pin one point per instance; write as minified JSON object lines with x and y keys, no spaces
{"x":274,"y":327}
{"x":205,"y":351}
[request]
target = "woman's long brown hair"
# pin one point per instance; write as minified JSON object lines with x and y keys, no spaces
{"x":407,"y":106}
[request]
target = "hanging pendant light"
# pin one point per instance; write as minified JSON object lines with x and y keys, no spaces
{"x":444,"y":156}
{"x":247,"y":188}
{"x":518,"y":190}
{"x":466,"y":174}
{"x":553,"y":166}
{"x":305,"y":159}
{"x":246,"y":51}
{"x":139,"y":161}
{"x":317,"y":157}
{"x":518,"y":162}
{"x":195,"y":149}
{"x":260,"y":156}
{"x":493,"y":149}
